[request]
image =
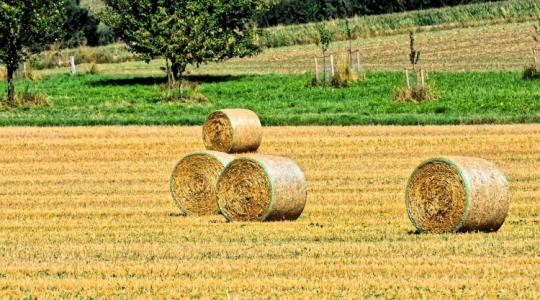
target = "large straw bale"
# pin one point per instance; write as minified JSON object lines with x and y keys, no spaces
{"x":262,"y":188}
{"x":457,"y":194}
{"x":193,"y":182}
{"x":232,"y":131}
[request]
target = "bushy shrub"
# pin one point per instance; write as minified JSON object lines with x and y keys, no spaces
{"x":183,"y":92}
{"x":26,"y":99}
{"x":93,"y":70}
{"x":55,"y":57}
{"x":417,"y":94}
{"x":29,"y":74}
{"x":343,"y":75}
{"x":531,"y":72}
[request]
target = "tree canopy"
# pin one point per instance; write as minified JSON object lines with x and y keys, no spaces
{"x":303,"y":11}
{"x":186,"y":32}
{"x":27,"y":27}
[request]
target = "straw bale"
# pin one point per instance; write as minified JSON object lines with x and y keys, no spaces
{"x":262,"y":188}
{"x":457,"y":194}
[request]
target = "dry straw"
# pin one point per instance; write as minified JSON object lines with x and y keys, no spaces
{"x":262,"y":188}
{"x":457,"y":194}
{"x":232,"y":131}
{"x":193,"y":182}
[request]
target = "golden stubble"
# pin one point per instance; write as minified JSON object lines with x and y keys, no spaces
{"x":86,"y":212}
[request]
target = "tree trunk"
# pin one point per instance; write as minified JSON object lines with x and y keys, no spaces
{"x":178,"y":72}
{"x":169,"y":75}
{"x":10,"y":84}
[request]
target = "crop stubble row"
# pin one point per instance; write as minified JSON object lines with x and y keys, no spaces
{"x":105,"y":225}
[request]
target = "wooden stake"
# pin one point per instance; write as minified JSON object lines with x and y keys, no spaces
{"x":332,"y":64}
{"x":407,"y":79}
{"x":73,"y":69}
{"x":316,"y":69}
{"x":422,"y":77}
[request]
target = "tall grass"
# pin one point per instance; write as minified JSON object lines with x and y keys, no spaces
{"x":397,"y":23}
{"x":117,"y":53}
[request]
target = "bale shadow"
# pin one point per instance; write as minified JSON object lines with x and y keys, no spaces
{"x":158,"y":80}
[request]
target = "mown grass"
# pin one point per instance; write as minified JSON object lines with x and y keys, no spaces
{"x":464,"y":98}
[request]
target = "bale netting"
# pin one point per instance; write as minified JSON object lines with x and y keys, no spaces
{"x":457,"y":194}
{"x":232,"y":131}
{"x":193,"y":182}
{"x":262,"y":188}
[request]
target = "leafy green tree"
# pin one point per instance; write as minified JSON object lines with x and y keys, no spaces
{"x":186,"y":32}
{"x":26,"y":27}
{"x":80,"y":27}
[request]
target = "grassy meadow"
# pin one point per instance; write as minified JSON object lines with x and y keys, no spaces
{"x":495,"y":97}
{"x":86,"y":213}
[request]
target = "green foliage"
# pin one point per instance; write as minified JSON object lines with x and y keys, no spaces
{"x":26,"y":27}
{"x":344,"y":76}
{"x":27,"y":99}
{"x":324,"y":38}
{"x":186,"y":32}
{"x":105,"y":99}
{"x":417,"y":94}
{"x":531,"y":72}
{"x":93,"y":70}
{"x":304,"y":11}
{"x":80,"y":27}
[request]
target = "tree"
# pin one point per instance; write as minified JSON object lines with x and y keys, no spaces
{"x":26,"y":27}
{"x":324,"y":39}
{"x":414,"y":56}
{"x":185,"y":32}
{"x":80,"y":27}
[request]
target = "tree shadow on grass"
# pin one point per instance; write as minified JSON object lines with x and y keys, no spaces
{"x":157,"y":80}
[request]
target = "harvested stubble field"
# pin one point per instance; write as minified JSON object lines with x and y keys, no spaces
{"x":86,"y":212}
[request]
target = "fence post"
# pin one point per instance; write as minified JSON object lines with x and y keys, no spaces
{"x":73,"y":69}
{"x":332,"y":64}
{"x":407,"y":79}
{"x":422,"y":77}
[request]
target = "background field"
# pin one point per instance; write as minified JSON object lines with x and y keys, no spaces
{"x":85,"y":212}
{"x":491,"y":47}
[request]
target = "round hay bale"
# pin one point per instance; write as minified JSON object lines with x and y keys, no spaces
{"x":193,"y":182}
{"x":262,"y":188}
{"x":457,"y":194}
{"x":232,"y":131}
